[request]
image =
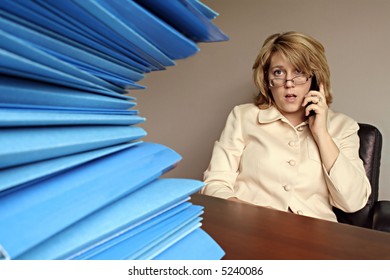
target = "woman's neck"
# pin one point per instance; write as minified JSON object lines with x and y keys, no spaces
{"x":295,"y":118}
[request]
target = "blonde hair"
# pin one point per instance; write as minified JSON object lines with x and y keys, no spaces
{"x":302,"y":51}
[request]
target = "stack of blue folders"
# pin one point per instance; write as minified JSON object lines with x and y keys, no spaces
{"x":76,"y":181}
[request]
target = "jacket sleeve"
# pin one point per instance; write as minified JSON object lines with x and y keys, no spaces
{"x":347,"y":182}
{"x":222,"y":171}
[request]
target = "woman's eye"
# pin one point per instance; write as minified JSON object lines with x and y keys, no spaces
{"x":278,"y":72}
{"x":298,"y":72}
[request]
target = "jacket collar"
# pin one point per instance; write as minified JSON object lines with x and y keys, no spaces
{"x":272,"y":114}
{"x":269,"y":115}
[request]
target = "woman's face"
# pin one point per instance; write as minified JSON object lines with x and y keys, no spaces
{"x":288,"y":98}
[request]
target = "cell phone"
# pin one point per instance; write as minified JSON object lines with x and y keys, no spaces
{"x":314,"y":86}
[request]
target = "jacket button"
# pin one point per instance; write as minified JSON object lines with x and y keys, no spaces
{"x":299,"y":212}
{"x":300,"y":128}
{"x":292,"y":143}
{"x":292,"y":162}
{"x":287,"y":188}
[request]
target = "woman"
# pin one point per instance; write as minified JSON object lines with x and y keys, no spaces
{"x":288,"y":150}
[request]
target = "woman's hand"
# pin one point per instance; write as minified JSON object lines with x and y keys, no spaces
{"x":318,"y":124}
{"x":318,"y":121}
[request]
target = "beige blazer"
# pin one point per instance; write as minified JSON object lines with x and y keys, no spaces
{"x":262,"y":159}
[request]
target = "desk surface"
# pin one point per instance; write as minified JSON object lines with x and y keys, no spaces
{"x":249,"y":232}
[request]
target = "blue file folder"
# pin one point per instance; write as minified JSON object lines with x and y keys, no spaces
{"x":15,"y":178}
{"x":14,"y":117}
{"x":198,"y":245}
{"x":109,"y":31}
{"x":157,"y":32}
{"x":20,"y":92}
{"x":129,"y":217}
{"x":185,"y":17}
{"x":166,"y":239}
{"x":90,"y":63}
{"x":132,"y":230}
{"x":45,"y":143}
{"x":76,"y":182}
{"x":206,"y":11}
{"x":115,"y":30}
{"x":51,"y":205}
{"x":20,"y":58}
{"x":44,"y":19}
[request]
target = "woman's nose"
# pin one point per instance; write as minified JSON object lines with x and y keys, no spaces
{"x":290,"y":83}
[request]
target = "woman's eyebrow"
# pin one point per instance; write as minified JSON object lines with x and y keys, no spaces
{"x":277,"y":66}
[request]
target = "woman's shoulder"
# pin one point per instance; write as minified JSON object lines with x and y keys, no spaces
{"x":341,"y":123}
{"x":246,"y":107}
{"x":246,"y":110}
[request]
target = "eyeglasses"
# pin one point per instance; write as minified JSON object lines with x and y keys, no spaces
{"x":280,"y":82}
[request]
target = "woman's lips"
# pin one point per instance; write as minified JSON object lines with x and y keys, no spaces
{"x":291,"y":97}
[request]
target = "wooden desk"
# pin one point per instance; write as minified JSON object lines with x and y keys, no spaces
{"x":248,"y":232}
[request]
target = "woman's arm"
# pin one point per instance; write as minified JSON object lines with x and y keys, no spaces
{"x":345,"y":176}
{"x":221,"y":174}
{"x":347,"y":182}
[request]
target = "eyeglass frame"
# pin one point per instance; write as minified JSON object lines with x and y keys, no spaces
{"x":286,"y":80}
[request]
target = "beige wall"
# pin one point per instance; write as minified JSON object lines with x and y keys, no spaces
{"x":186,"y":106}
